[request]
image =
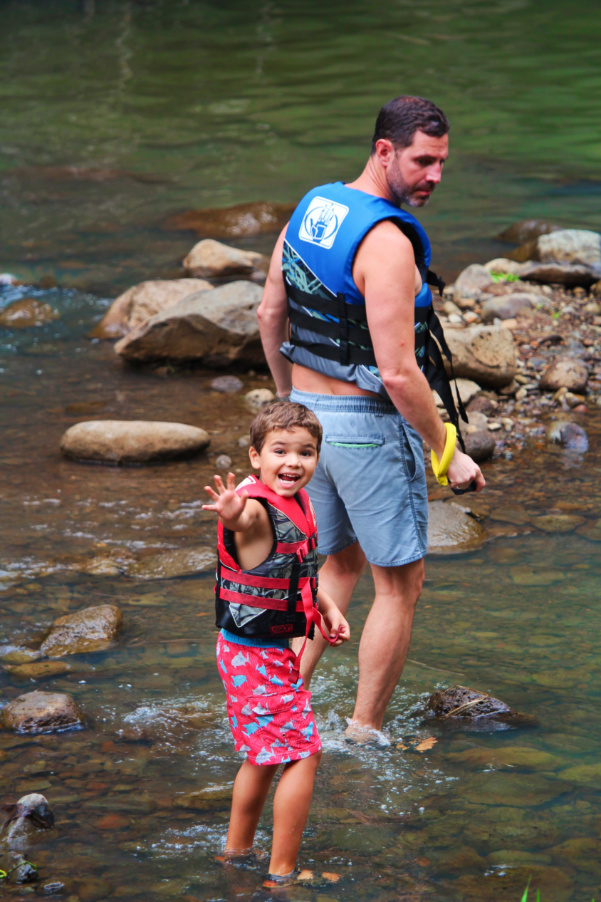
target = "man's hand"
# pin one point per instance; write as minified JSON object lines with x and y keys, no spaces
{"x":463,"y":471}
{"x":228,"y":504}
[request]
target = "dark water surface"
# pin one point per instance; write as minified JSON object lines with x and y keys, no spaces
{"x":116,"y":115}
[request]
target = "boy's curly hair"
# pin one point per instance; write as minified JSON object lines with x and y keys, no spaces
{"x":284,"y":415}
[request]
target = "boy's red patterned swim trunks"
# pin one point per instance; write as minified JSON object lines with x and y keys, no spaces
{"x":270,"y":713}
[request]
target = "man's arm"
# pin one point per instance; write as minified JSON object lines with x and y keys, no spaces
{"x":273,"y":321}
{"x":384,"y":272}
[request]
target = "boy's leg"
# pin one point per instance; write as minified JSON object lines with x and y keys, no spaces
{"x":290,"y":810}
{"x":250,"y":791}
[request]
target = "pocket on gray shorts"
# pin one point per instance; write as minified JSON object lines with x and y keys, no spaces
{"x":358,"y":442}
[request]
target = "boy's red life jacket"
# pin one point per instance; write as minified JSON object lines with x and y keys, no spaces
{"x":277,"y":599}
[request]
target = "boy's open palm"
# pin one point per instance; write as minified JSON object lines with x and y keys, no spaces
{"x":228,"y":504}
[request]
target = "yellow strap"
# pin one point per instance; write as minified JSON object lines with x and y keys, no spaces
{"x":440,"y":467}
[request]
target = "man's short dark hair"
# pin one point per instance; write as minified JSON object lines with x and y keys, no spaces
{"x":284,"y":415}
{"x":401,"y":118}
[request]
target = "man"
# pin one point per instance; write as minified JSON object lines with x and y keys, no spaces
{"x":345,"y":321}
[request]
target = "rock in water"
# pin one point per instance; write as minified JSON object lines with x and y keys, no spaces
{"x":527,"y":230}
{"x":570,"y":435}
{"x":211,"y":260}
{"x":42,"y":712}
{"x":234,"y":222}
{"x":258,"y":398}
{"x":137,"y":304}
{"x":27,"y":312}
{"x":89,"y":630}
{"x":132,"y":441}
{"x":452,"y":529}
{"x":215,"y":328}
{"x":462,"y":704}
{"x":480,"y":445}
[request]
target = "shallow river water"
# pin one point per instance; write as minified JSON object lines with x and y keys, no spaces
{"x":116,"y":115}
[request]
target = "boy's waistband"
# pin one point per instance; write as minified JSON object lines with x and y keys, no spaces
{"x":348,"y":403}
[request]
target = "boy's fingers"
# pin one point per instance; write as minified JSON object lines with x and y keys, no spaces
{"x":231,"y":482}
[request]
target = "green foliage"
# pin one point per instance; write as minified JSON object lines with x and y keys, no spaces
{"x":504,"y":277}
{"x":525,"y":896}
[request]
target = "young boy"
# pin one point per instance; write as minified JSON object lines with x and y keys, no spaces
{"x":267,"y":592}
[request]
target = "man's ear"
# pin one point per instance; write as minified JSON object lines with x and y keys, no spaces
{"x":254,"y":458}
{"x":384,"y":151}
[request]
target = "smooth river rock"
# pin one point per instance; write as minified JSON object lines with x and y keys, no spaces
{"x":569,"y":274}
{"x":234,"y":222}
{"x":42,"y":712}
{"x":480,"y":445}
{"x":258,"y":398}
{"x":471,"y":282}
{"x":137,"y":304}
{"x":452,"y":529}
{"x":569,"y":246}
{"x":568,"y":372}
{"x":132,"y":441}
{"x":211,"y":259}
{"x":510,"y":305}
{"x":215,"y":328}
{"x":485,"y":354}
{"x":89,"y":630}
{"x":27,"y":312}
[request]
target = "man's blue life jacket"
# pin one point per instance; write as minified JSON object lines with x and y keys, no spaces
{"x":328,"y":329}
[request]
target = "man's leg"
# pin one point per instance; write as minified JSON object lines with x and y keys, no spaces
{"x":338,"y":577}
{"x":385,"y":639}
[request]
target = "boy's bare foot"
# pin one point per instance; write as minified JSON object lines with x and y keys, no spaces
{"x":362,"y":735}
{"x":304,"y":877}
{"x":242,"y":858}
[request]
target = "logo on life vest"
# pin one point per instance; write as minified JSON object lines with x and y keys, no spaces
{"x":321,"y":222}
{"x":281,"y":628}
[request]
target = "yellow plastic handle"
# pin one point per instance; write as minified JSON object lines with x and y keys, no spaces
{"x":440,"y":467}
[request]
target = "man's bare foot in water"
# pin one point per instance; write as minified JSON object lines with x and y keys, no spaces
{"x":362,"y":735}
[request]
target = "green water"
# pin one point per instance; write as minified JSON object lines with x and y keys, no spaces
{"x":191,"y":105}
{"x":163,"y":107}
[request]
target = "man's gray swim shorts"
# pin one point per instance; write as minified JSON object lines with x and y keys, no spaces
{"x":370,"y":483}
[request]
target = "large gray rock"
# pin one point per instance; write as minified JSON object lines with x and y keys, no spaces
{"x":139,"y":303}
{"x":480,"y":445}
{"x":211,"y":259}
{"x":508,"y":306}
{"x":89,"y":630}
{"x":42,"y":712}
{"x":452,"y":529}
{"x":569,"y":274}
{"x":471,"y":282}
{"x":132,"y":441}
{"x":215,"y":328}
{"x":570,"y":246}
{"x":485,"y":354}
{"x":565,"y":371}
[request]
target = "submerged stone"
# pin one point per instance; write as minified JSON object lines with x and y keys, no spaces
{"x":27,"y":312}
{"x":234,"y":222}
{"x":170,"y":564}
{"x":92,"y":629}
{"x":557,"y":523}
{"x":42,"y":712}
{"x":464,"y":704}
{"x":570,"y":435}
{"x":452,"y":529}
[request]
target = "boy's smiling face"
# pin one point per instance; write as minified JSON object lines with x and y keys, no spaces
{"x":287,"y":460}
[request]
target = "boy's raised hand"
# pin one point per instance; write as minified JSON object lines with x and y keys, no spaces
{"x":228,"y":504}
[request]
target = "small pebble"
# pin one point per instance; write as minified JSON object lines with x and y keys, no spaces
{"x":223,"y":462}
{"x":494,"y":426}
